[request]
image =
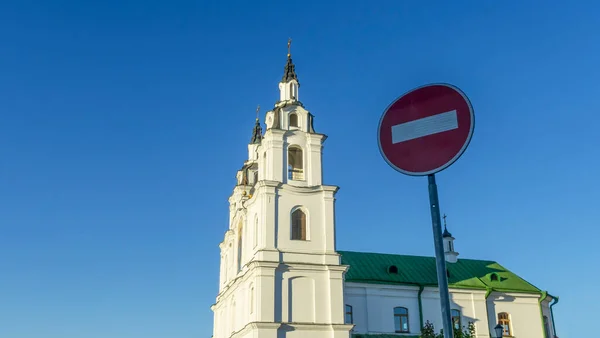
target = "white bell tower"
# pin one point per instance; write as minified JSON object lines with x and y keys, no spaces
{"x":280,"y":273}
{"x":449,"y":253}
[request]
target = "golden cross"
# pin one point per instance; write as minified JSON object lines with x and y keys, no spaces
{"x":257,"y":110}
{"x":289,"y":46}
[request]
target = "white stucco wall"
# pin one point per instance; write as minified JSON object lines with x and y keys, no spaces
{"x":523,"y":310}
{"x":471,"y":304}
{"x":373,"y":305}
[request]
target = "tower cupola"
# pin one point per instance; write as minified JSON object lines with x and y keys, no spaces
{"x":449,"y":253}
{"x":288,"y":87}
{"x":256,"y":138}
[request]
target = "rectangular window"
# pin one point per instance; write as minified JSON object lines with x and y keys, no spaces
{"x":456,"y":319}
{"x":348,"y":318}
{"x":295,"y":164}
{"x":504,"y":321}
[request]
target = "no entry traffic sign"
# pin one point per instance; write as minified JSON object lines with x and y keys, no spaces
{"x":426,"y":130}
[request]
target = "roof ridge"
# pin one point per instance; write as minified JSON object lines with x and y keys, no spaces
{"x":407,"y":255}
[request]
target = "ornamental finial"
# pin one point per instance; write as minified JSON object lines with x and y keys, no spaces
{"x":289,"y":47}
{"x":257,"y":110}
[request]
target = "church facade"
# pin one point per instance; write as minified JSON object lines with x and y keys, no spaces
{"x":281,"y":275}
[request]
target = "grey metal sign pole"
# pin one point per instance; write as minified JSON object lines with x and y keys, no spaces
{"x":421,"y":133}
{"x":440,"y":258}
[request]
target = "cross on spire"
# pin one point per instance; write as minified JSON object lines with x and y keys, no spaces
{"x":446,"y":232}
{"x":289,"y":72}
{"x":257,"y":110}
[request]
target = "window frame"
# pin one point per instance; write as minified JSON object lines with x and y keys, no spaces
{"x":400,"y":316}
{"x":348,"y":313}
{"x":504,"y":321}
{"x":295,"y":173}
{"x":452,"y":314}
{"x":303,"y":231}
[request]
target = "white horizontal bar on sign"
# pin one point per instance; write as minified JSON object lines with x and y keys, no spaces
{"x":423,"y":127}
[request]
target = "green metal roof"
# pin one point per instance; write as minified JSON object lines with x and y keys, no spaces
{"x":418,"y":270}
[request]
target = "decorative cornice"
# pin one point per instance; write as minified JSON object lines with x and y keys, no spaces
{"x":317,"y":326}
{"x":264,"y":325}
{"x":310,"y":189}
{"x":255,"y":326}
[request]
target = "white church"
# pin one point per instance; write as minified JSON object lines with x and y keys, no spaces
{"x":282,"y":277}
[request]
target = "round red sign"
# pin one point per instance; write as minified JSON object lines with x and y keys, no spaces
{"x":426,"y":130}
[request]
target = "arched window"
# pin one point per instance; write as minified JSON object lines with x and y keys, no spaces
{"x":494,"y":277}
{"x":393,"y":269}
{"x":504,"y":321}
{"x":348,"y":318}
{"x":401,"y":319}
{"x":293,"y":120}
{"x":295,"y":164}
{"x":298,"y":225}
{"x":456,"y":319}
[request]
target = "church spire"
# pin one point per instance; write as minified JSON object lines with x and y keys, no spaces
{"x":446,"y":232}
{"x":449,"y":253}
{"x":257,"y":131}
{"x":289,"y":72}
{"x":288,"y":87}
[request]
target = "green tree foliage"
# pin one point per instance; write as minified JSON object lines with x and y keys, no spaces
{"x":428,"y":331}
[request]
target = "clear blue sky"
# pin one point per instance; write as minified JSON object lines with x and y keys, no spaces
{"x":122,"y":124}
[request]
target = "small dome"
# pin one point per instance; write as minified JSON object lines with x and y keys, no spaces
{"x":446,"y":233}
